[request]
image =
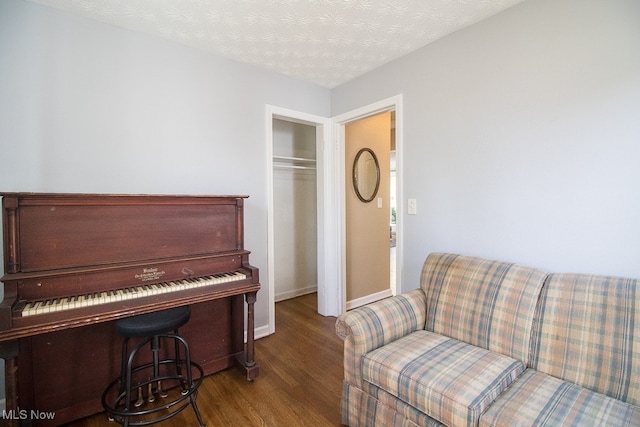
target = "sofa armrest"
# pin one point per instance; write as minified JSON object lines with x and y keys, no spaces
{"x":374,"y":325}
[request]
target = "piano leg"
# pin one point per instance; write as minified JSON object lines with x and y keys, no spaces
{"x":9,"y":352}
{"x":251,"y":299}
{"x":245,"y":358}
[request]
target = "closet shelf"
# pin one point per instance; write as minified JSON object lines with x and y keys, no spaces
{"x":286,"y":162}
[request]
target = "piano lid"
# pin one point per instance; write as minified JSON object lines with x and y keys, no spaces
{"x":62,"y":231}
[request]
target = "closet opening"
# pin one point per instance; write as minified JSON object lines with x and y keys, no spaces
{"x":294,"y":210}
{"x":301,"y":205}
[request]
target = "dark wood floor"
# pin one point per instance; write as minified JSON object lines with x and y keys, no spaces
{"x":299,"y":383}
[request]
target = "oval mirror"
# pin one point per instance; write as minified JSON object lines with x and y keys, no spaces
{"x":366,"y":175}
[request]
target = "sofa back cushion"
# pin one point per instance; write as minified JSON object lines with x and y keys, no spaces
{"x":487,"y":303}
{"x":587,"y":331}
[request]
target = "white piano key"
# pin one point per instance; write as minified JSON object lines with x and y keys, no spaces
{"x":32,"y":308}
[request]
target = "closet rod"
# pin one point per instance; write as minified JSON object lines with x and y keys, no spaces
{"x":294,"y":159}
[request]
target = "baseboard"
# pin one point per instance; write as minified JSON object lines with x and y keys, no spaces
{"x":295,"y":293}
{"x":355,"y":303}
{"x":261,"y":332}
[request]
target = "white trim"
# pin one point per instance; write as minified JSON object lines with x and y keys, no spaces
{"x":388,"y":104}
{"x":358,"y":302}
{"x":393,"y":103}
{"x":328,"y":296}
{"x":260,"y":332}
{"x":281,"y":296}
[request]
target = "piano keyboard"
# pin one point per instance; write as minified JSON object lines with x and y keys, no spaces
{"x":78,"y":301}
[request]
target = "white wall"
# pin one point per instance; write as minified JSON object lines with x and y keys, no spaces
{"x":522,"y":138}
{"x":86,"y":107}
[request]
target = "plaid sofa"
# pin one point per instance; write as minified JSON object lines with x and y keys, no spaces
{"x":490,"y":343}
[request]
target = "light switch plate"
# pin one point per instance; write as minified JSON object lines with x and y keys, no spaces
{"x":412,"y":208}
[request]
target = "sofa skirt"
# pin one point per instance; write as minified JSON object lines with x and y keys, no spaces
{"x":378,"y":408}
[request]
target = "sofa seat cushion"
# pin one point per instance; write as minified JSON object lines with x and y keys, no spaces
{"x":538,"y":399}
{"x":450,"y":381}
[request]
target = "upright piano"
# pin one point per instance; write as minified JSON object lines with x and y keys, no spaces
{"x":75,"y":263}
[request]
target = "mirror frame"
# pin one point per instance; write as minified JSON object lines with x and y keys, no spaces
{"x":355,"y":175}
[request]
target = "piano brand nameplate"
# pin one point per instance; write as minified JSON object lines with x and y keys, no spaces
{"x":149,"y":274}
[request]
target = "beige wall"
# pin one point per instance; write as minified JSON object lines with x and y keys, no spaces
{"x":367,"y":225}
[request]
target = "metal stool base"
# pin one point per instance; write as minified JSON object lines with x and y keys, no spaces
{"x":174,"y":406}
{"x":122,"y":409}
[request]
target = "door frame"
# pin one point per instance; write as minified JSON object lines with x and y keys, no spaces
{"x":393,"y":103}
{"x":330,"y":179}
{"x":328,"y":261}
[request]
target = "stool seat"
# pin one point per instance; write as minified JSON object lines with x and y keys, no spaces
{"x":155,"y":323}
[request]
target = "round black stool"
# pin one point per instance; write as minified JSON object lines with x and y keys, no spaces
{"x":153,"y":328}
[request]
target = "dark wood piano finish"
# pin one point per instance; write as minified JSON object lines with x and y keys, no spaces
{"x":60,"y":246}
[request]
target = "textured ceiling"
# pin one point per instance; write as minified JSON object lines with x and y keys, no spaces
{"x":327,"y":42}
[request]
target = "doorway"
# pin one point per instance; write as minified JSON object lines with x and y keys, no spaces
{"x":327,"y":247}
{"x":393,"y":232}
{"x":370,"y":235}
